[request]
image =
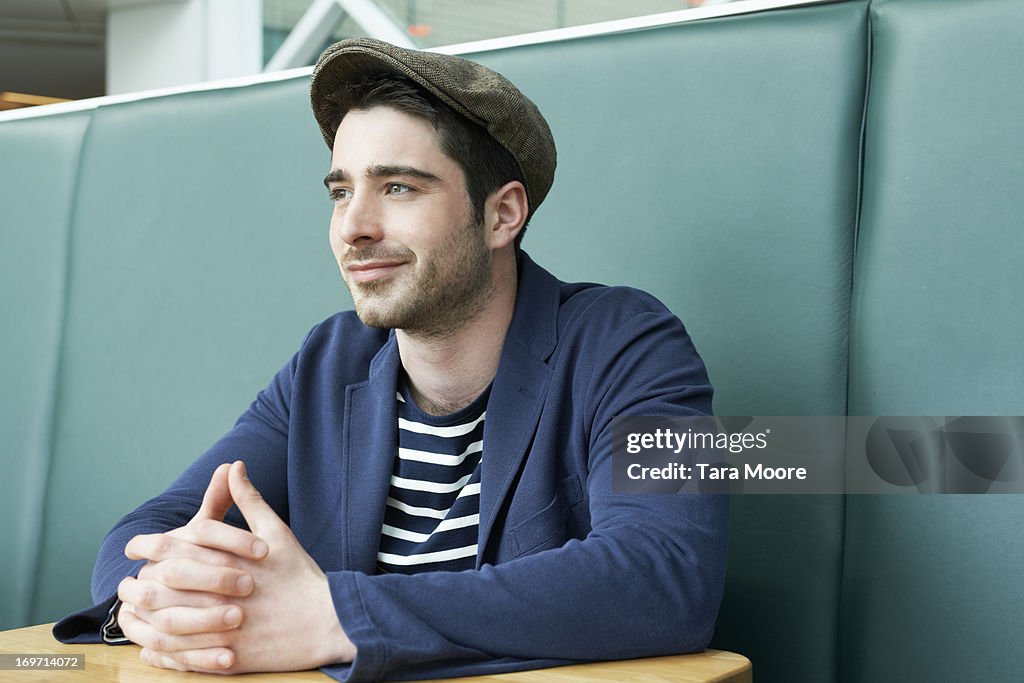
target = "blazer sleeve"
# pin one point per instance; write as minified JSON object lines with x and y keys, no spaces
{"x":647,"y":580}
{"x":260,"y":434}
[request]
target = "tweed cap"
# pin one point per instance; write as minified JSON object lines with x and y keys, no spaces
{"x":483,"y":96}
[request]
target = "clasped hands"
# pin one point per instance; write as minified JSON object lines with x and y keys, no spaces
{"x":219,"y":599}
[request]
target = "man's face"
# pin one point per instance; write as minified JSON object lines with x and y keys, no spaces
{"x":402,"y":231}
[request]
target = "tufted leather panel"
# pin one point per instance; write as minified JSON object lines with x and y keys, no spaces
{"x":38,"y":179}
{"x":199,"y":260}
{"x":931,"y":584}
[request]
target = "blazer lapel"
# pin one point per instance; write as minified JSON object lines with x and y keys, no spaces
{"x":512,"y":414}
{"x":518,"y":392}
{"x":371,"y":441}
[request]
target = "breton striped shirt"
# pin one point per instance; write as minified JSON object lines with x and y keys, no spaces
{"x":433,"y":508}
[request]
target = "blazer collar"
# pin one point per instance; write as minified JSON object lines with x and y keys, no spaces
{"x":535,"y":320}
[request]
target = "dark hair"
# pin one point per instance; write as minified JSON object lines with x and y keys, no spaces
{"x":485,"y":164}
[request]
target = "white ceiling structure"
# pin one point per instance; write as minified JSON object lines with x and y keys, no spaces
{"x":53,"y":47}
{"x":58,"y":48}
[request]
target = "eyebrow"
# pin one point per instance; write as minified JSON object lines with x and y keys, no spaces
{"x":339,"y":175}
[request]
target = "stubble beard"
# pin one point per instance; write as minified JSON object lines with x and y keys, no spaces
{"x":453,"y":287}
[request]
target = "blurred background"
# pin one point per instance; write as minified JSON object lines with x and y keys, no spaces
{"x":56,"y":50}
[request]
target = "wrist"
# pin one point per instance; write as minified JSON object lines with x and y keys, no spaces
{"x":336,"y":648}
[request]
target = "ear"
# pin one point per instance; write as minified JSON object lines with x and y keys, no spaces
{"x":505,"y":213}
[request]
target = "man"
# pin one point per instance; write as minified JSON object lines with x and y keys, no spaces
{"x":427,"y":484}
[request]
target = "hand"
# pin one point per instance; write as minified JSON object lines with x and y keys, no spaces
{"x":192,"y":577}
{"x":182,"y":610}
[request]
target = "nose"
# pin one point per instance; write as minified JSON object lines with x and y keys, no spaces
{"x":357,"y":222}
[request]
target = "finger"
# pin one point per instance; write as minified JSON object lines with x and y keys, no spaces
{"x":141,"y":632}
{"x":152,"y":595}
{"x":209,"y":660}
{"x":217,"y":499}
{"x":160,"y":660}
{"x":190,"y":575}
{"x":217,"y":535}
{"x":183,"y":621}
{"x":138,"y":547}
{"x":180,"y":544}
{"x":260,"y":517}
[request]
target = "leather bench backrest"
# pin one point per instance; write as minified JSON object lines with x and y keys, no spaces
{"x":38,"y":179}
{"x":932,"y":584}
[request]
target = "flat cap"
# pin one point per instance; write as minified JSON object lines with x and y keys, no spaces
{"x":485,"y":97}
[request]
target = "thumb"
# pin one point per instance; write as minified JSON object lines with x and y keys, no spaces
{"x":217,"y":499}
{"x":260,"y":517}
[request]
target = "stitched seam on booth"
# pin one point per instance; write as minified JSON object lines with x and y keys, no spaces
{"x":868,"y":64}
{"x":859,"y":199}
{"x":863,"y":135}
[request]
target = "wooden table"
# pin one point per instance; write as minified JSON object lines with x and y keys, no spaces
{"x":121,"y":663}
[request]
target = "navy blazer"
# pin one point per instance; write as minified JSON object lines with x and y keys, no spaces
{"x":567,"y":569}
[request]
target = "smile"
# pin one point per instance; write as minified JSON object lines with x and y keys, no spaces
{"x":367,"y":272}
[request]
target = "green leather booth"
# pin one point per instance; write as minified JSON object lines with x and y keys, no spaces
{"x":828,"y":195}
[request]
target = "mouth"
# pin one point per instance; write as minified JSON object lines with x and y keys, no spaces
{"x":368,"y":271}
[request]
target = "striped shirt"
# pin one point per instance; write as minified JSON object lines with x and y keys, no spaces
{"x":432,"y":516}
